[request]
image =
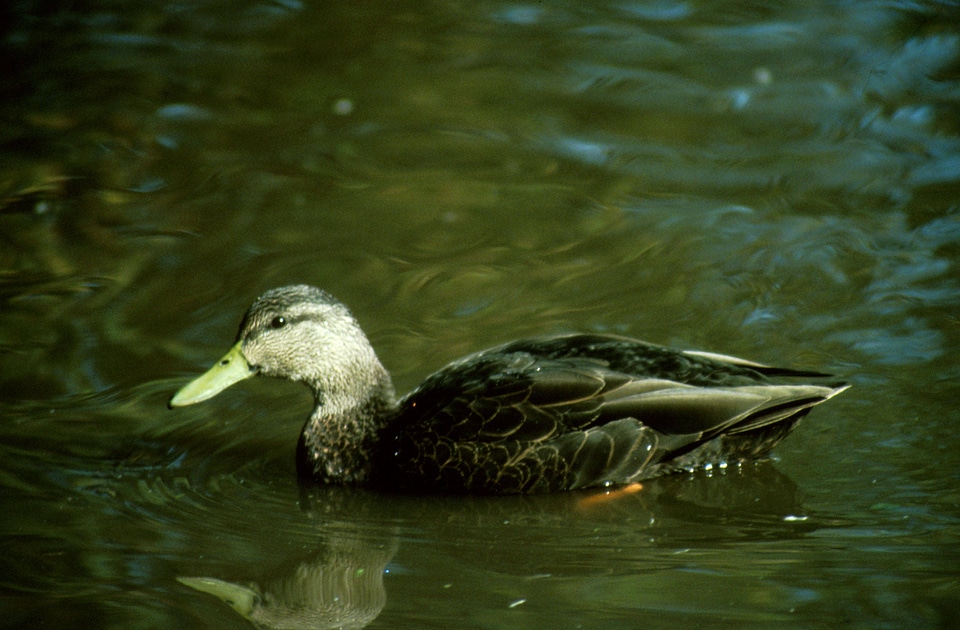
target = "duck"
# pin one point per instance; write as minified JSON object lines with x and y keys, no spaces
{"x":544,"y":414}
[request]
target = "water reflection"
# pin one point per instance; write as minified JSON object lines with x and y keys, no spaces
{"x":341,"y":587}
{"x":778,"y":182}
{"x":340,"y":581}
{"x":336,"y":583}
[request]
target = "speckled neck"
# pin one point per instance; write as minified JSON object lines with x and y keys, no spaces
{"x":339,"y":440}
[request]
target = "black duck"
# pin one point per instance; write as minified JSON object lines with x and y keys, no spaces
{"x":537,"y":415}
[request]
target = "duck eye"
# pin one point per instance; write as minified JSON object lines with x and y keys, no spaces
{"x":278,"y":322}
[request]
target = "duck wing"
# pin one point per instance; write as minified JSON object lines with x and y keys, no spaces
{"x":585,"y":410}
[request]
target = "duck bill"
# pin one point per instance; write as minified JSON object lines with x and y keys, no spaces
{"x":232,"y":368}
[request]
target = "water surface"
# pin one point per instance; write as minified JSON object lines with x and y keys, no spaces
{"x":774,"y":182}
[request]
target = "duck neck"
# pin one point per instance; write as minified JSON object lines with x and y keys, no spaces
{"x":339,"y":441}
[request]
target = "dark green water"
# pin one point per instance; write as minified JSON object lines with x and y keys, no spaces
{"x":775,"y":181}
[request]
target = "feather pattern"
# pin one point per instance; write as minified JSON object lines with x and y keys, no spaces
{"x":536,"y":415}
{"x":577,"y":411}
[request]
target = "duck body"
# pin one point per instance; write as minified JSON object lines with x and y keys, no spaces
{"x":537,"y":415}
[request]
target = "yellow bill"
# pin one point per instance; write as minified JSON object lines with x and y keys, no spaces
{"x":232,"y":368}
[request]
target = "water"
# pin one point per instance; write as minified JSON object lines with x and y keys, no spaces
{"x":778,"y":182}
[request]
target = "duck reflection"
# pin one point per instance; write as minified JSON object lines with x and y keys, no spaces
{"x":340,"y":584}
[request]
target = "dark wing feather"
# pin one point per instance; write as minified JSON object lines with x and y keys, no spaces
{"x":560,"y":413}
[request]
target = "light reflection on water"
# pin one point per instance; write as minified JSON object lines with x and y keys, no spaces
{"x":777,"y":184}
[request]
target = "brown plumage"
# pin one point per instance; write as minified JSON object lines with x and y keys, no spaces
{"x":537,"y":415}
